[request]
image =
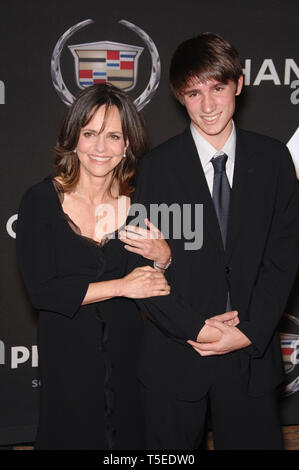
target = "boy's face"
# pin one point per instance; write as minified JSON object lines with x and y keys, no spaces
{"x":211,"y":106}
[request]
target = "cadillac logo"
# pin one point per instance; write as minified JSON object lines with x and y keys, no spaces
{"x":102,"y":62}
{"x":106,"y":61}
{"x":290,"y":353}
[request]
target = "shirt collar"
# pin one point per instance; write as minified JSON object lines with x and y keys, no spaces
{"x":206,"y":151}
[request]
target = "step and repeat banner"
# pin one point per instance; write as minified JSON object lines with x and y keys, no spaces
{"x":44,"y":47}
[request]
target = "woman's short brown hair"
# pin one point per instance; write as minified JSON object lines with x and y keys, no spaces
{"x":88,"y":101}
{"x":201,"y":58}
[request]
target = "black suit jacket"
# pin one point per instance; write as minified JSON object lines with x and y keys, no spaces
{"x":258,"y":266}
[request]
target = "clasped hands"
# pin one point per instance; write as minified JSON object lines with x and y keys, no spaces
{"x":219,"y":336}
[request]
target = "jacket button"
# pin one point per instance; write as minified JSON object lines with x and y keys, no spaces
{"x":227,"y":269}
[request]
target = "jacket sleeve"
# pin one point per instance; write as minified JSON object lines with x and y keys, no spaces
{"x":172,"y":314}
{"x":279,"y":264}
{"x":36,"y":256}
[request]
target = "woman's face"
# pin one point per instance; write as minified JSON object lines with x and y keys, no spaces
{"x":99,"y":151}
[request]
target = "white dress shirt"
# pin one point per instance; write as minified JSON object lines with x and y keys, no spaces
{"x":206,"y":152}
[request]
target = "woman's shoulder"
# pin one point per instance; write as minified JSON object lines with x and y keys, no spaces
{"x":40,"y":194}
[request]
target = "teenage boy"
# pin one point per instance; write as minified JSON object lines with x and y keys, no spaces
{"x":248,"y":260}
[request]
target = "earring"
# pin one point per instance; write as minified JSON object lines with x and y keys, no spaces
{"x":124,"y":154}
{"x":75,"y":151}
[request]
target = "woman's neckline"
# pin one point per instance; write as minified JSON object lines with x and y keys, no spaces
{"x":58,"y":188}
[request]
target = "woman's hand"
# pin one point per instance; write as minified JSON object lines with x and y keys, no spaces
{"x":144,"y":282}
{"x":148,"y":243}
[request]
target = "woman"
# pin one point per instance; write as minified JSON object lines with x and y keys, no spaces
{"x":75,"y":270}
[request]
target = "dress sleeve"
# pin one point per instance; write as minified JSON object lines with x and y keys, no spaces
{"x":36,"y":256}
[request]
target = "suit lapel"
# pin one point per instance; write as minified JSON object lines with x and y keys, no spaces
{"x":194,"y":183}
{"x":240,"y":194}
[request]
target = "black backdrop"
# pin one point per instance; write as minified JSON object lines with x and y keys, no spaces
{"x":265,"y":33}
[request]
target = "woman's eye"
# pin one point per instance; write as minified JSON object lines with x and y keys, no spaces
{"x":88,"y":134}
{"x":115,"y":137}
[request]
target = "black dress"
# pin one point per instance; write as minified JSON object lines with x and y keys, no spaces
{"x":88,"y":354}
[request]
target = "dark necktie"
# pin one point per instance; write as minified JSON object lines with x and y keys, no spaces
{"x":221,"y":198}
{"x":221,"y":193}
